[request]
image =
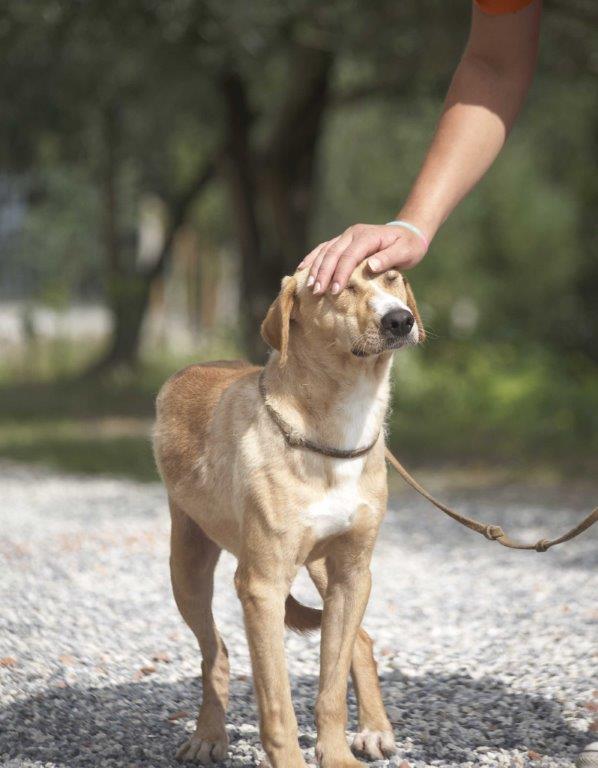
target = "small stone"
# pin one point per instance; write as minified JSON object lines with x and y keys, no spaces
{"x":179,"y":715}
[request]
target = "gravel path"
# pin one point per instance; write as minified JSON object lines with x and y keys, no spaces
{"x":487,"y":657}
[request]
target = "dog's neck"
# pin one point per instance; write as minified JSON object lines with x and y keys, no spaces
{"x":333,"y":399}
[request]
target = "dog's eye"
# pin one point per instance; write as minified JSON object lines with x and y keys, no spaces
{"x":352,"y":287}
{"x":391,"y":276}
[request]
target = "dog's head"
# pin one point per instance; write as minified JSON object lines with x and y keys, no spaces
{"x":373,"y":315}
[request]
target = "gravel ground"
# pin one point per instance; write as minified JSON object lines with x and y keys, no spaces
{"x":487,"y":657}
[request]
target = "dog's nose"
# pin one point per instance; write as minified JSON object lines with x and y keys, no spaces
{"x":398,"y":322}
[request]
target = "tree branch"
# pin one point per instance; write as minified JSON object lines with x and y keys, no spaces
{"x":306,"y":99}
{"x":179,"y":210}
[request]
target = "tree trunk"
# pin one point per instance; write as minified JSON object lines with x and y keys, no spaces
{"x":587,"y":287}
{"x":129,"y":299}
{"x":290,"y":158}
{"x":257,"y":271}
{"x":129,"y":290}
{"x":272,"y":191}
{"x":127,"y":293}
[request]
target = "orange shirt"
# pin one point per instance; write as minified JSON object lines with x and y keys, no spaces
{"x":496,"y":7}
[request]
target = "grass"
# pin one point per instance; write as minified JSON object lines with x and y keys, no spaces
{"x":462,"y":405}
{"x":76,"y":448}
{"x":497,"y":404}
{"x":99,"y":428}
{"x":50,"y":417}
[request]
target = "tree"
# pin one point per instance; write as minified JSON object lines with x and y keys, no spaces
{"x":97,"y":85}
{"x":126,"y":89}
{"x":323,"y":58}
{"x":164,"y":99}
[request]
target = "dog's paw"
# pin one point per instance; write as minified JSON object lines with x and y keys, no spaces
{"x":374,"y":744}
{"x":345,"y":762}
{"x":330,"y":758}
{"x":198,"y":750}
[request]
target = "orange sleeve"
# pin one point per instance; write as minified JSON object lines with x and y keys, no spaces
{"x":496,"y":7}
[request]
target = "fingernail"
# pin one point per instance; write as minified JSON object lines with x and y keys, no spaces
{"x":310,"y":281}
{"x":317,"y":287}
{"x":300,"y":265}
{"x":335,"y":288}
{"x":374,"y":264}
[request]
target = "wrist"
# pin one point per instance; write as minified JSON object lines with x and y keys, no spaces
{"x":426,"y":222}
{"x":410,"y":227}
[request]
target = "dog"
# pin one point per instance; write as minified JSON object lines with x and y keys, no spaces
{"x":283,"y":466}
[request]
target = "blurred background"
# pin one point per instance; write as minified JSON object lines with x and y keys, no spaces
{"x":163,"y":164}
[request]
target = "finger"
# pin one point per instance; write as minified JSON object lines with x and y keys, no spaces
{"x":353,"y":255}
{"x":319,"y":255}
{"x":397,"y":255}
{"x":316,"y":265}
{"x":328,"y":264}
{"x":312,"y":255}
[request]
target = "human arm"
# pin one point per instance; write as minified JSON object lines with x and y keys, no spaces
{"x":482,"y":103}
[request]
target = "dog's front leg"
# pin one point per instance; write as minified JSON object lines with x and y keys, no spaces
{"x":345,"y":601}
{"x":262,"y":588}
{"x":374,"y":737}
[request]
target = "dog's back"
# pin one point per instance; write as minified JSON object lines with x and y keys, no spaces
{"x":184,"y":409}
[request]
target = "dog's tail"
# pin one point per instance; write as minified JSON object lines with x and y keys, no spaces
{"x":301,"y":618}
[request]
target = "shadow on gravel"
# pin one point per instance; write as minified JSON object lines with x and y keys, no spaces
{"x":449,"y":716}
{"x":446,"y":718}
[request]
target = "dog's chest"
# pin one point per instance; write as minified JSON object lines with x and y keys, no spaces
{"x":361,"y":414}
{"x":335,"y":511}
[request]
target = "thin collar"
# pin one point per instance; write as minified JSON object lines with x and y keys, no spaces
{"x":295,"y":440}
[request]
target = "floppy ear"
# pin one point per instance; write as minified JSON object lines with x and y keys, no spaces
{"x":275,"y":328}
{"x":411,"y":303}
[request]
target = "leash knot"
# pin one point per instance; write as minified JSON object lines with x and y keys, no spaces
{"x":493,"y":532}
{"x":542,"y":545}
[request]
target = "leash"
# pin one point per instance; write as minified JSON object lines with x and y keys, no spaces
{"x":490,"y":532}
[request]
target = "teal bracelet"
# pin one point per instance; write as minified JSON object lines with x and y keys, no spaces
{"x":412,"y":228}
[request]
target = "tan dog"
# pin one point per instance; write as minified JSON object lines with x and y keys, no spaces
{"x":225,"y":447}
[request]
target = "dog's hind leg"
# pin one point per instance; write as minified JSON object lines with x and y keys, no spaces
{"x":375,"y":737}
{"x":193,"y":558}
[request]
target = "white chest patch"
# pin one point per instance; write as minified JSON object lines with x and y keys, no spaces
{"x":335,"y":512}
{"x":360,"y":415}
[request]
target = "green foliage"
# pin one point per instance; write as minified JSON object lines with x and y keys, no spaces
{"x":74,"y":448}
{"x":496,"y":404}
{"x":454,"y":402}
{"x":106,"y":97}
{"x":58,"y":249}
{"x":516,"y":251}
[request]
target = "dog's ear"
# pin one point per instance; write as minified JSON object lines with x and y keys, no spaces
{"x":411,"y":303}
{"x":276,"y":326}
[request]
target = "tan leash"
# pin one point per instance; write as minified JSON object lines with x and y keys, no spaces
{"x":491,"y":532}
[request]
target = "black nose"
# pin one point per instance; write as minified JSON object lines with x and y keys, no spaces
{"x":398,"y":322}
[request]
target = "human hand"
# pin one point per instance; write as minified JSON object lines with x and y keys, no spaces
{"x":332,"y":262}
